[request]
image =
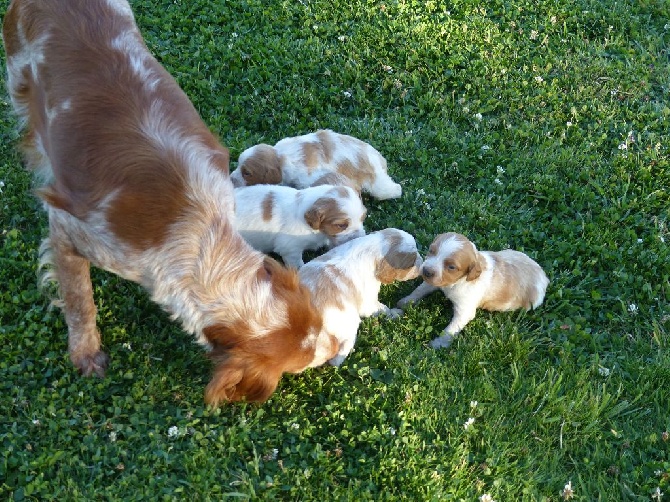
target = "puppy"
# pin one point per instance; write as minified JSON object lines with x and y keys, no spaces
{"x":471,"y":279}
{"x":301,"y":160}
{"x":287,"y":221}
{"x":135,"y":183}
{"x":345,"y":282}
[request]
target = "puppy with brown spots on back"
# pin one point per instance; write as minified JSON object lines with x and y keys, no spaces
{"x":472,"y":279}
{"x":345,"y":283}
{"x":300,"y":161}
{"x":288,"y":221}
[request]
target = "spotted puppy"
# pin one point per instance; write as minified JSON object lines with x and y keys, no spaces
{"x":345,"y":282}
{"x":288,"y":221}
{"x":471,"y":279}
{"x":300,"y":161}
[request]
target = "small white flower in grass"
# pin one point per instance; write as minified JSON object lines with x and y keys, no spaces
{"x":347,"y":94}
{"x":640,"y":241}
{"x":539,"y":79}
{"x":127,"y":346}
{"x":568,"y":123}
{"x":272,"y":455}
{"x":112,"y":436}
{"x":500,"y":170}
{"x":173,"y":432}
{"x":567,"y":492}
{"x":533,"y":34}
{"x":486,"y":498}
{"x":657,"y":494}
{"x":2,"y":185}
{"x":479,"y":116}
{"x":397,"y":84}
{"x":553,"y":19}
{"x":468,"y":423}
{"x":497,"y":181}
{"x":233,"y":34}
{"x":341,"y":38}
{"x":633,"y":309}
{"x":604,"y":371}
{"x":392,"y":431}
{"x":473,"y":404}
{"x":295,"y":426}
{"x":387,"y":68}
{"x":658,"y":473}
{"x":36,"y":422}
{"x":485,"y":148}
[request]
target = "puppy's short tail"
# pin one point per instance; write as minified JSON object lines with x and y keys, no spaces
{"x":47,"y":280}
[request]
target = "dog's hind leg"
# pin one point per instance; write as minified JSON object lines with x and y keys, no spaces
{"x":74,"y":277}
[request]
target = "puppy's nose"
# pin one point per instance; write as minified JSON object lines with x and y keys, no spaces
{"x":428,"y":273}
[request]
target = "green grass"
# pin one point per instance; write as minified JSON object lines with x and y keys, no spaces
{"x":543,"y":126}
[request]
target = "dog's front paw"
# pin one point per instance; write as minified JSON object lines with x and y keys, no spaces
{"x":393,"y":313}
{"x":92,"y":364}
{"x":403,"y":302}
{"x":442,"y":342}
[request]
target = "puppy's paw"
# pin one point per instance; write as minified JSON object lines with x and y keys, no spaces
{"x":403,"y":302}
{"x":393,"y":313}
{"x":442,"y":342}
{"x":337,"y":360}
{"x":92,"y":364}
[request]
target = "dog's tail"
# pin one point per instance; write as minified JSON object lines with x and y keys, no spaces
{"x":47,"y":280}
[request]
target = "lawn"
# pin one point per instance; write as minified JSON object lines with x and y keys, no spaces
{"x":541,"y":126}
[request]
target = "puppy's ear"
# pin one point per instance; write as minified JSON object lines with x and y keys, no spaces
{"x":397,"y":266}
{"x":273,"y":175}
{"x":474,"y":270}
{"x":315,"y":214}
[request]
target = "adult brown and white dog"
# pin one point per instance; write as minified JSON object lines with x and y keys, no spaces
{"x":300,"y":161}
{"x":345,"y":282}
{"x":472,"y":279}
{"x":288,"y":221}
{"x":136,"y":184}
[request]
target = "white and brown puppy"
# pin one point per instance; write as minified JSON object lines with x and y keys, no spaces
{"x":472,"y":279}
{"x":135,"y":183}
{"x":287,"y":221}
{"x":301,"y":160}
{"x":345,"y":282}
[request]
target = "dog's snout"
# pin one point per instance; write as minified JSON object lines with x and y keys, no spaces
{"x":428,"y":273}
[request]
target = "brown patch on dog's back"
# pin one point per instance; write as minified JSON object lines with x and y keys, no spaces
{"x":268,"y":205}
{"x":358,"y":175}
{"x":311,"y":156}
{"x":327,"y":144}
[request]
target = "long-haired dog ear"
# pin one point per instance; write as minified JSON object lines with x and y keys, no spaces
{"x":474,"y":270}
{"x":237,"y":379}
{"x":396,"y":266}
{"x":261,"y":166}
{"x":314,"y":215}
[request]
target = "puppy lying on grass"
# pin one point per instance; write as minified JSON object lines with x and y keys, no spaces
{"x":471,"y":279}
{"x":301,"y":160}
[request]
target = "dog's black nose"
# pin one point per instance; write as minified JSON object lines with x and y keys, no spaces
{"x":428,"y":273}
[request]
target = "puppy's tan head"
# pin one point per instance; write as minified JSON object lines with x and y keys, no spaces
{"x":248,"y":363}
{"x":400,"y":260}
{"x":258,"y":165}
{"x":338,"y":213}
{"x":451,"y":258}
